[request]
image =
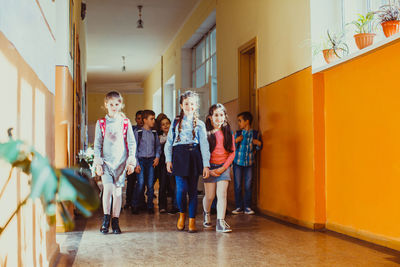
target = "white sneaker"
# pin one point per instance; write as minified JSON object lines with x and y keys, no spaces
{"x":222,"y":226}
{"x":237,"y":211}
{"x":249,"y":211}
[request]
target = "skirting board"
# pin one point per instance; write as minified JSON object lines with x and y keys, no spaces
{"x":306,"y":224}
{"x":393,"y":243}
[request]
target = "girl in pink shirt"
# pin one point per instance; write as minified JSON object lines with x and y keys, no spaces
{"x":222,"y":149}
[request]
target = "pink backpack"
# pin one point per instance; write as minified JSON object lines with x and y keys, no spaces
{"x":102,"y":123}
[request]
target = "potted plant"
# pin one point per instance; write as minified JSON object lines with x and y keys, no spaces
{"x":363,"y":37}
{"x":389,"y":17}
{"x":332,"y":48}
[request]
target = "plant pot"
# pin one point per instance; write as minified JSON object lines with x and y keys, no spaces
{"x":364,"y":39}
{"x":390,"y":27}
{"x":329,"y":55}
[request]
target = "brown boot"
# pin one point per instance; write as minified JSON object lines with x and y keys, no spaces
{"x":181,"y":222}
{"x":192,"y":225}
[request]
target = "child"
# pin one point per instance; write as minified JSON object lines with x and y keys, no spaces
{"x":247,"y":141}
{"x":167,"y":181}
{"x":114,"y":153}
{"x":187,"y":156}
{"x":130,"y":187}
{"x":148,"y":154}
{"x":222,"y":150}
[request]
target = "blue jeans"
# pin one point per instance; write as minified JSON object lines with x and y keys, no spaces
{"x":187,"y":185}
{"x":239,"y":172}
{"x":146,"y":175}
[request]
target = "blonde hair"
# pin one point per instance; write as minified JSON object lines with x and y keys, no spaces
{"x":117,"y":95}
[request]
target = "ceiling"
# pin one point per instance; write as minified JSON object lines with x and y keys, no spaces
{"x":112,"y":33}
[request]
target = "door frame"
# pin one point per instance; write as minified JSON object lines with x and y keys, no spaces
{"x":244,"y":96}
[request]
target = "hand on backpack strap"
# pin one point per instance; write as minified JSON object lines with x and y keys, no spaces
{"x":99,"y":170}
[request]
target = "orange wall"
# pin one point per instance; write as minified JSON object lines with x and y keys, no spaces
{"x":64,"y":116}
{"x":362,"y":146}
{"x":287,"y":188}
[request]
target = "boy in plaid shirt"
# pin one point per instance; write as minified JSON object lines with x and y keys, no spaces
{"x":247,"y":142}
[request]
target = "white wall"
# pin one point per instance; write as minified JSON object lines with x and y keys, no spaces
{"x":24,"y":25}
{"x":63,"y":58}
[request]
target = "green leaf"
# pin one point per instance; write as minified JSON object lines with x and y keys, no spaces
{"x":10,"y":151}
{"x":65,"y":190}
{"x":86,"y":194}
{"x":44,"y":180}
{"x":51,"y":209}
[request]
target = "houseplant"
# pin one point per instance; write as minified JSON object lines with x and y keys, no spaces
{"x":389,"y":17}
{"x":53,"y":186}
{"x":364,"y":36}
{"x":332,"y":47}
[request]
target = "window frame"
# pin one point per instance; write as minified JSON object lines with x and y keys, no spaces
{"x":207,"y":60}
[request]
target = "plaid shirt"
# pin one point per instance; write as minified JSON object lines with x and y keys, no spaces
{"x":244,"y":152}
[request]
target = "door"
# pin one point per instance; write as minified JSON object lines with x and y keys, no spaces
{"x":248,"y":100}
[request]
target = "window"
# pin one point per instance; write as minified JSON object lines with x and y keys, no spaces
{"x":204,"y":63}
{"x":335,"y":16}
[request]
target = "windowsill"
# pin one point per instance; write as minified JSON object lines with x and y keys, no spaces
{"x":370,"y":49}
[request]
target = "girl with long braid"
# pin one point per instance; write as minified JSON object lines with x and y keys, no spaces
{"x":187,"y":156}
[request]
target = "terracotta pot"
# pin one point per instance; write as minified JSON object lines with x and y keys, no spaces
{"x":391,"y":27}
{"x":329,"y":55}
{"x":364,"y":39}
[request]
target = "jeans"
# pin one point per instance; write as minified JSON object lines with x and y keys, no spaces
{"x":146,"y":175}
{"x":130,"y":188}
{"x":239,"y":172}
{"x":187,"y":185}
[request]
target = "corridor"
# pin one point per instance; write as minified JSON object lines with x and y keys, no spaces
{"x":152,"y":240}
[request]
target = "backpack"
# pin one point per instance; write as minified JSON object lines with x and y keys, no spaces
{"x":102,"y":123}
{"x":140,"y":134}
{"x":239,"y":133}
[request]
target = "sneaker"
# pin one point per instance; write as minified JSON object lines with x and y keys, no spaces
{"x":207,"y":219}
{"x":237,"y":211}
{"x":249,"y":211}
{"x":222,"y":226}
{"x":163,"y":210}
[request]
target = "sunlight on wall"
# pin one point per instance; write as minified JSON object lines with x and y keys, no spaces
{"x":26,"y":112}
{"x":40,"y":122}
{"x":8,"y":93}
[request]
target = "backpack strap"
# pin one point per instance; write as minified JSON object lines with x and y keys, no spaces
{"x":155,"y":140}
{"x":140,"y":134}
{"x":173,"y":128}
{"x":102,"y":123}
{"x":125,"y":133}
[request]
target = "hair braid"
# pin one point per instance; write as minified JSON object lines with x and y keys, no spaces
{"x":194,"y":125}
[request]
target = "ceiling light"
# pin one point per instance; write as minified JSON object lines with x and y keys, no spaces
{"x":140,"y":21}
{"x":123,"y":64}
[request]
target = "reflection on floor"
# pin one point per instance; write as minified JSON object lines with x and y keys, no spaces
{"x":152,"y":240}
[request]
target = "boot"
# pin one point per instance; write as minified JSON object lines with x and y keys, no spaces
{"x":115,"y":225}
{"x":207,"y":219}
{"x":192,"y":225}
{"x":181,"y":222}
{"x":222,"y":226}
{"x":106,"y":224}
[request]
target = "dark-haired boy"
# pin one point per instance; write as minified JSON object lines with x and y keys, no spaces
{"x":130,"y":187}
{"x":148,"y":155}
{"x":247,"y":142}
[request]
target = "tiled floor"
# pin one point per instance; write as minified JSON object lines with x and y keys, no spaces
{"x":151,"y":240}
